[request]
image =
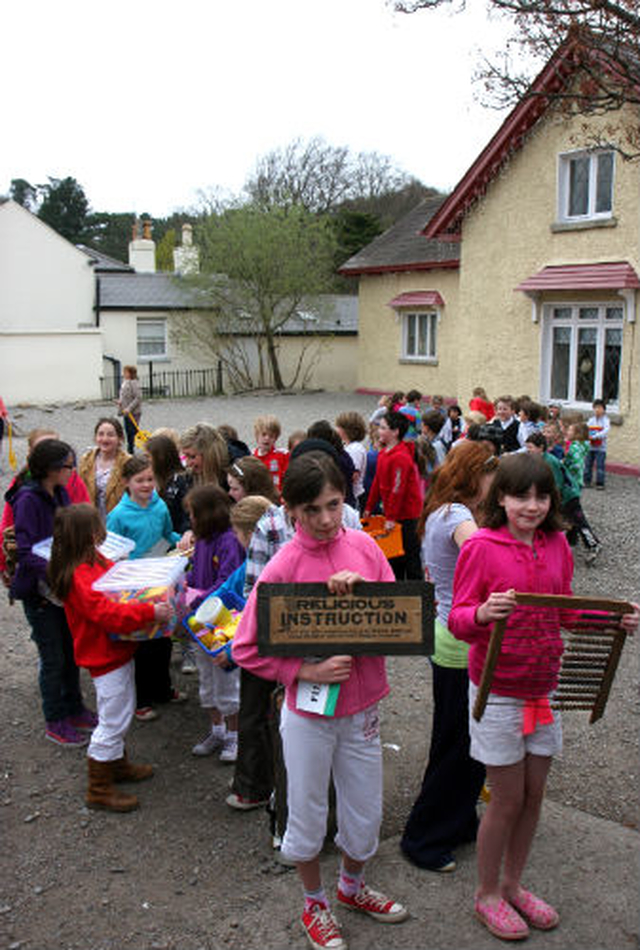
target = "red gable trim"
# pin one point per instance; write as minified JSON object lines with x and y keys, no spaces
{"x":613,"y":276}
{"x":447,"y":221}
{"x":417,"y":298}
{"x":452,"y":264}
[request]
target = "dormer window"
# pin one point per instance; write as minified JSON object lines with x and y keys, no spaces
{"x":585,"y":190}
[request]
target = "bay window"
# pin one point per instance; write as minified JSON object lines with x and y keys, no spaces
{"x":582,"y":353}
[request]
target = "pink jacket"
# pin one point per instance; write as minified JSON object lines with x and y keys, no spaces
{"x":303,"y":559}
{"x":493,"y":560}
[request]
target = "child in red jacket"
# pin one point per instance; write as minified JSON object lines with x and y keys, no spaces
{"x":397,"y":484}
{"x":267,"y":432}
{"x":75,"y":565}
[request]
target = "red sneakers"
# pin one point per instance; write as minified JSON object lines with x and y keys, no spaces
{"x":322,"y":929}
{"x":374,"y":904}
{"x":245,"y":804}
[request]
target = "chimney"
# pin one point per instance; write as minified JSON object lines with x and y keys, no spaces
{"x":142,"y":250}
{"x":186,"y":259}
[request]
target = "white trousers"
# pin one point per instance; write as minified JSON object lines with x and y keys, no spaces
{"x":218,"y":688}
{"x":314,"y":748}
{"x":116,"y":701}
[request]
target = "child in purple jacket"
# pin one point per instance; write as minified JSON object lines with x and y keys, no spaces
{"x":217,"y":555}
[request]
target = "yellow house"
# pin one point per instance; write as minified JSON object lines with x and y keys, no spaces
{"x":523,"y":280}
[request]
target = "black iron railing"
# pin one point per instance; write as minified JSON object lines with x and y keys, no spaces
{"x":169,"y":384}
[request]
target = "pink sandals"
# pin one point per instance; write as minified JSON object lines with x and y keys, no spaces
{"x":539,"y":914}
{"x":501,"y":920}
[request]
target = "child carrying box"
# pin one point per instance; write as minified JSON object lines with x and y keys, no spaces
{"x":74,"y":567}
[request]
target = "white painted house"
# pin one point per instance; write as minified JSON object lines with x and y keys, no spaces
{"x":71,"y":317}
{"x":50,"y":347}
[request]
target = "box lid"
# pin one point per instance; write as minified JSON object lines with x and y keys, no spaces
{"x":145,"y":572}
{"x":114,"y":547}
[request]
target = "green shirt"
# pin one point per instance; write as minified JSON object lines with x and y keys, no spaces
{"x":449,"y":652}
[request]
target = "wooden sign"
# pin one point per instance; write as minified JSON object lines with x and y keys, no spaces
{"x":377,"y":618}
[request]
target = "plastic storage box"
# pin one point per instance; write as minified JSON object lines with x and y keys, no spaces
{"x":389,"y":542}
{"x":152,"y":580}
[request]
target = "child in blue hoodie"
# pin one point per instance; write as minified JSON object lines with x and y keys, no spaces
{"x":143,"y":516}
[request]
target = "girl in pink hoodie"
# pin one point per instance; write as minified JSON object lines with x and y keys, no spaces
{"x":522,"y":549}
{"x":347,"y":743}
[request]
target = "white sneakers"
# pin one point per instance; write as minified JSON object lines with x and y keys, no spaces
{"x":229,"y":752}
{"x":227,"y":742}
{"x":211,"y":742}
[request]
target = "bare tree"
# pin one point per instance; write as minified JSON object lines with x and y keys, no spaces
{"x":207,"y":333}
{"x":240,"y":349}
{"x":595,"y":48}
{"x":319,"y":177}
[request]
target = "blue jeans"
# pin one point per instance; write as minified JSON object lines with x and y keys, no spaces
{"x":599,"y":456}
{"x":58,"y":676}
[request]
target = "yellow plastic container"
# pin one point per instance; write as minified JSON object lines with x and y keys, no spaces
{"x":211,"y":612}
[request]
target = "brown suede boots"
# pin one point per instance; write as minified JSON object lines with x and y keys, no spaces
{"x":125,"y":771}
{"x":101,"y":792}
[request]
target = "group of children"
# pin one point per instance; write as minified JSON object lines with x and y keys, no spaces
{"x":313,"y":536}
{"x":572,"y":446}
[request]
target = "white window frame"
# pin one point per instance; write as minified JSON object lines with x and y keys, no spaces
{"x":564,"y":185}
{"x":430,"y":354}
{"x":152,"y":357}
{"x":601,"y":324}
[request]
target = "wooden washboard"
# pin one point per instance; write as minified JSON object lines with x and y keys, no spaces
{"x":591,"y":655}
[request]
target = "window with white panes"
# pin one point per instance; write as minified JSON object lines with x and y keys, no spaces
{"x":419,"y":336}
{"x":152,"y":339}
{"x":585,"y":185}
{"x":582,"y":353}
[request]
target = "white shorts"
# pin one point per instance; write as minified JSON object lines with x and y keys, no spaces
{"x":498,"y":739}
{"x":347,"y":747}
{"x":218,"y":688}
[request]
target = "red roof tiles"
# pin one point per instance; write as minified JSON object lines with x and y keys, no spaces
{"x":417,"y":298}
{"x":613,"y":276}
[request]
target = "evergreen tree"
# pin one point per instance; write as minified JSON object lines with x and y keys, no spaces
{"x":64,"y":207}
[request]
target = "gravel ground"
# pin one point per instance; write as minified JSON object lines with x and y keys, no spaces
{"x":184,"y":871}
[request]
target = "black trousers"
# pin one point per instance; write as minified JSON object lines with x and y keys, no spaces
{"x":444,"y":814}
{"x":253,"y":777}
{"x":579,"y":526}
{"x":409,"y":566}
{"x":153,"y":677}
{"x":130,"y":431}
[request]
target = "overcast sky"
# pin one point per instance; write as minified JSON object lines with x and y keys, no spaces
{"x":147,"y":102}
